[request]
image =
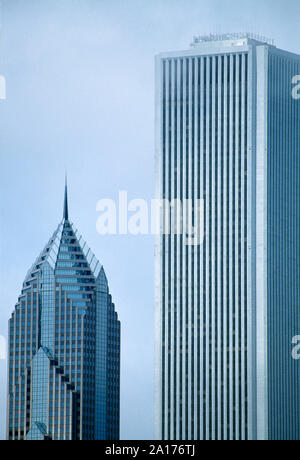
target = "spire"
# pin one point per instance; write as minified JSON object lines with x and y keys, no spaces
{"x":66,"y":210}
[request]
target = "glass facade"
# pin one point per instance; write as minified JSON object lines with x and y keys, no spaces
{"x":226,"y":310}
{"x":64,"y":347}
{"x":283,"y":247}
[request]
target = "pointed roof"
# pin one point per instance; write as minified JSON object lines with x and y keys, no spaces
{"x":50,"y":253}
{"x":66,"y":207}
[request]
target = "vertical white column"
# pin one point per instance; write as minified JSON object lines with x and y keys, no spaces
{"x":207,"y":256}
{"x":225,"y":253}
{"x":178,"y":238}
{"x":184,"y":267}
{"x":213,"y":253}
{"x":243,"y":243}
{"x":167,"y":267}
{"x":196,"y":248}
{"x":231,"y":262}
{"x":219,"y":343}
{"x":158,"y":254}
{"x":202,"y":262}
{"x":251,"y":244}
{"x":237,"y":218}
{"x":172,"y":255}
{"x":261,"y":245}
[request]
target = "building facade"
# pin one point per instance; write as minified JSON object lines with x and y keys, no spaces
{"x":228,"y":132}
{"x":64,"y":347}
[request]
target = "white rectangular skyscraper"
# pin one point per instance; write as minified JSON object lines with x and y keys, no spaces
{"x":227,"y":310}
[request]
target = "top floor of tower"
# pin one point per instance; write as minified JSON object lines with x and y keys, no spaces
{"x":229,"y":40}
{"x":231,"y":43}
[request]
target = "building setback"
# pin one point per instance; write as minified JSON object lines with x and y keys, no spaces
{"x":228,"y":132}
{"x":64,"y":347}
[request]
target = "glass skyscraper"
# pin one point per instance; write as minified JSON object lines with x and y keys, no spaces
{"x":228,"y":132}
{"x":64,"y":347}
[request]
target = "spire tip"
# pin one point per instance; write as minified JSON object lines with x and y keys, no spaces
{"x":66,"y":209}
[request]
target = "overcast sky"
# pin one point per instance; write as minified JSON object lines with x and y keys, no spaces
{"x":80,"y":95}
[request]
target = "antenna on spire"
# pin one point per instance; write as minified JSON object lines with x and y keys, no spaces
{"x":66,"y":209}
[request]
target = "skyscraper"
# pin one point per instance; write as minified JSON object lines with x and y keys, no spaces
{"x":64,"y":347}
{"x":228,"y":132}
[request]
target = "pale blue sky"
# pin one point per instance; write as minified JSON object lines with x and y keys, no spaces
{"x":80,"y":92}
